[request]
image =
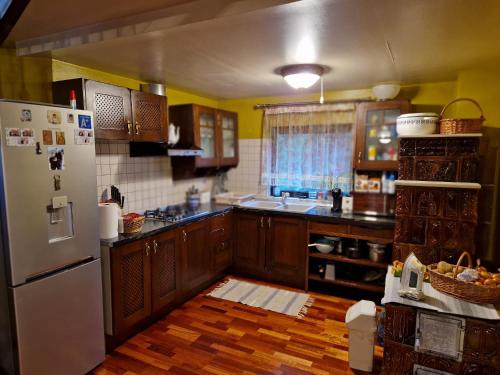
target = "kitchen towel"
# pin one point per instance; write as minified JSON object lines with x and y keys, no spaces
{"x":108,"y":220}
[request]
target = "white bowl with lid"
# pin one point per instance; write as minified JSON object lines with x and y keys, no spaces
{"x":417,"y":123}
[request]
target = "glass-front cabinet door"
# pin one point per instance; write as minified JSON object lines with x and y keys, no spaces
{"x":205,"y":120}
{"x":376,"y":137}
{"x":227,"y":123}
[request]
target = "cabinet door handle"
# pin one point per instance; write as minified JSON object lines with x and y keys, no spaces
{"x":269,"y":222}
{"x":148,"y":248}
{"x":129,"y":127}
{"x":137,"y":128}
{"x":262,"y":221}
{"x":223,"y":245}
{"x":155,"y":246}
{"x":359,"y":156}
{"x":184,"y":235}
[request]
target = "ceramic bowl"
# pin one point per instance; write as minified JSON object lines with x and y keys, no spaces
{"x":417,"y":123}
{"x":324,"y":248}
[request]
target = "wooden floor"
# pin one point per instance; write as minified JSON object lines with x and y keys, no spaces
{"x":214,"y":336}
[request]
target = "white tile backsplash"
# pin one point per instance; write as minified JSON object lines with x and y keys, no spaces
{"x":146,"y":182}
{"x":245,"y":178}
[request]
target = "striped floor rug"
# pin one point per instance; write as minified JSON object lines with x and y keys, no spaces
{"x":266,"y":297}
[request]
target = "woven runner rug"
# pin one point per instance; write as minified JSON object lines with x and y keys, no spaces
{"x":266,"y":297}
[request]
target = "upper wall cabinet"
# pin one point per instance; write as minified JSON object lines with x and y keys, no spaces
{"x":119,"y":113}
{"x":150,"y":117}
{"x":215,"y":131}
{"x":227,"y":129}
{"x":376,"y":137}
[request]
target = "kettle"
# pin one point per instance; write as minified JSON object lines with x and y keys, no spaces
{"x":173,"y":134}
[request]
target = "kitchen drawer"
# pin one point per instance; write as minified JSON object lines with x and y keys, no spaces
{"x":223,"y":255}
{"x":221,"y":227}
{"x":326,"y":228}
{"x":373,"y":232}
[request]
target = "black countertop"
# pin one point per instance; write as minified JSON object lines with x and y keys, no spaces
{"x":152,"y":227}
{"x":322,"y":214}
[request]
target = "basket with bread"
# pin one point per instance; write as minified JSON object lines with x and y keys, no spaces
{"x":472,"y":284}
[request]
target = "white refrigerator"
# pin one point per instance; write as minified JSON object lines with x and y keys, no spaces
{"x":51,"y":314}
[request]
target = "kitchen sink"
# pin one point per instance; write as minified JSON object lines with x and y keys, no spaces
{"x":265,"y":205}
{"x":278,"y":206}
{"x":295,"y":207}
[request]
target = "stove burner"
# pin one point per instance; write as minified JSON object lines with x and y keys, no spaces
{"x":170,"y":214}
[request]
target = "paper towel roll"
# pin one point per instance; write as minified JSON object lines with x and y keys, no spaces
{"x":108,"y":220}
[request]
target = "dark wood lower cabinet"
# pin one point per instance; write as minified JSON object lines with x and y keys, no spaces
{"x":221,"y":235}
{"x":165,"y":266}
{"x":271,"y":247}
{"x":131,"y":285}
{"x":195,"y":256}
{"x":249,"y":243}
{"x":286,"y":250}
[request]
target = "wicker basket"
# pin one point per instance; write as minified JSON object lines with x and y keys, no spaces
{"x":460,"y":125}
{"x":467,"y":291}
{"x":133,"y":225}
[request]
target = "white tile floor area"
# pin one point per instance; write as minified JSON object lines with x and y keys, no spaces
{"x":245,"y":178}
{"x":146,"y":182}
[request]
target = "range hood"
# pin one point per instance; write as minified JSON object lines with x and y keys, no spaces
{"x":177,"y":150}
{"x":139,"y":149}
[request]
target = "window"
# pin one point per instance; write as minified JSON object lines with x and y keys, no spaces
{"x":308,"y":150}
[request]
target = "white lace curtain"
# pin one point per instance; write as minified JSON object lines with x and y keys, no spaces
{"x":308,"y":146}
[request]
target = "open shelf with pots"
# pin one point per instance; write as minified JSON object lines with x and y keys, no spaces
{"x":345,"y":261}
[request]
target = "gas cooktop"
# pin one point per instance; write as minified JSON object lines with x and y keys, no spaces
{"x":172,"y":214}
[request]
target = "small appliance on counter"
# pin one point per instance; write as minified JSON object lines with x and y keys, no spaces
{"x":337,"y":200}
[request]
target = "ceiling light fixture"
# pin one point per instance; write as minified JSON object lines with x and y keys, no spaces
{"x":301,"y":76}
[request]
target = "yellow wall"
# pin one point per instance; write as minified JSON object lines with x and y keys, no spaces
{"x":482,"y":85}
{"x":25,"y":78}
{"x":427,"y":97}
{"x":62,"y":70}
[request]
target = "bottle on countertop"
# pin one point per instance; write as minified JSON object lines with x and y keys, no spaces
{"x":385,"y":183}
{"x":391,"y":183}
{"x":72,"y":99}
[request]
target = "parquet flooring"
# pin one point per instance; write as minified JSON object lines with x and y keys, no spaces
{"x":213,"y":336}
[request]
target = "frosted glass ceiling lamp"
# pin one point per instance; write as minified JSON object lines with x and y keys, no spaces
{"x":301,"y":76}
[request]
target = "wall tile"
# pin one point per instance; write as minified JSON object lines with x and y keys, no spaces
{"x":145,"y":182}
{"x":245,"y":178}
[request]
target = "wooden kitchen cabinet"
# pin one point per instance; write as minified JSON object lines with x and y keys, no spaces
{"x":165,"y":269}
{"x":227,"y":135}
{"x":119,"y":113}
{"x":376,"y":137}
{"x":249,"y":243}
{"x":286,"y":250}
{"x":221,"y":242}
{"x":271,"y":247}
{"x":213,"y":130}
{"x":195,"y":256}
{"x":150,"y":120}
{"x":145,"y":278}
{"x":131,"y":285}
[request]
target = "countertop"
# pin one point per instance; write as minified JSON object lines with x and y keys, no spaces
{"x":152,"y":227}
{"x":320,"y":213}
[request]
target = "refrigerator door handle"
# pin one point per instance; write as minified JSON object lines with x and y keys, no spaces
{"x":59,"y":269}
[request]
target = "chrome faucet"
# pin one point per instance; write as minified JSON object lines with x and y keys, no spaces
{"x":284,"y":196}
